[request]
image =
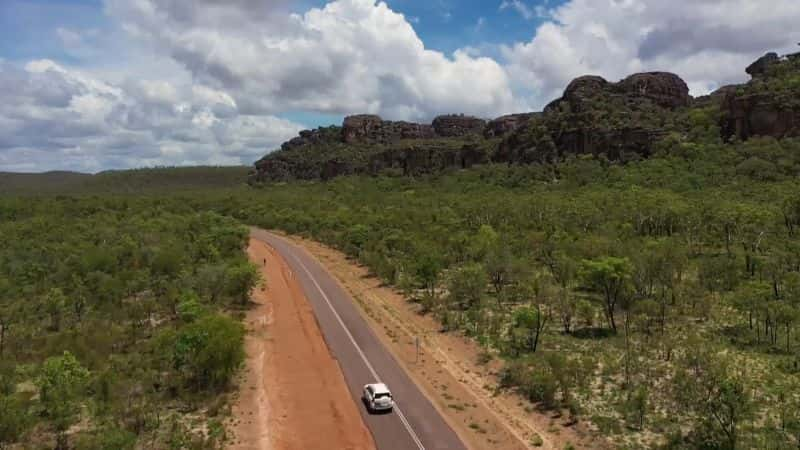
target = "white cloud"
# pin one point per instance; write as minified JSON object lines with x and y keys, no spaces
{"x":709,"y":47}
{"x":53,"y":117}
{"x":350,"y":56}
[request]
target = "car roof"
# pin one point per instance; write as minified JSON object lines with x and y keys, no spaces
{"x":379,"y":388}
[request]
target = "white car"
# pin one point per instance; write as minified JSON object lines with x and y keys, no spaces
{"x":378,"y":398}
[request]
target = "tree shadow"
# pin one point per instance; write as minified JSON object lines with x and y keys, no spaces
{"x":593,"y":333}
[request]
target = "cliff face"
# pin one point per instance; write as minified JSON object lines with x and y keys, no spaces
{"x":621,"y":120}
{"x":368,"y":144}
{"x":769,"y":104}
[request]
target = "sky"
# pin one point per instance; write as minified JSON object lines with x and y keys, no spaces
{"x":92,"y":85}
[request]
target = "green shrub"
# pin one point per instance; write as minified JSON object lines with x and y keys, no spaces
{"x":209,"y":351}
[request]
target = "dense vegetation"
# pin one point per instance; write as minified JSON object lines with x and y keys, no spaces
{"x":115,"y":322}
{"x":658,"y":299}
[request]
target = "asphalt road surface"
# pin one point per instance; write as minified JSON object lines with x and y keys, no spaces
{"x":414,"y":423}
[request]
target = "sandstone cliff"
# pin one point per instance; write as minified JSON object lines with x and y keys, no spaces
{"x":769,"y":104}
{"x":621,"y":120}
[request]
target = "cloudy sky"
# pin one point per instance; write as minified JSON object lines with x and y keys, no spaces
{"x":91,"y":85}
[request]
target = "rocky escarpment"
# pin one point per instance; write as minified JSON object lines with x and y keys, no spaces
{"x":769,"y":104}
{"x":621,"y":120}
{"x":373,"y":129}
{"x":506,"y":124}
{"x":368,"y":144}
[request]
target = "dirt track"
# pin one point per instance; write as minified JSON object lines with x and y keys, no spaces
{"x":293,"y":394}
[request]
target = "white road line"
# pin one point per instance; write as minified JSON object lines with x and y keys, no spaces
{"x":360,"y":352}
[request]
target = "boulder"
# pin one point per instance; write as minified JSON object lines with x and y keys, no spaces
{"x":663,"y":88}
{"x":579,"y":92}
{"x":585,"y":86}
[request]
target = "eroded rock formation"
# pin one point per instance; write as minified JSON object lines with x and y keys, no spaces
{"x":769,"y":104}
{"x":622,"y":120}
{"x":506,"y":124}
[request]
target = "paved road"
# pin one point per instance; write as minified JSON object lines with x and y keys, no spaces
{"x":415,"y":424}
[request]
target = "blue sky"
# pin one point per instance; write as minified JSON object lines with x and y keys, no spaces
{"x":99,"y":84}
{"x":29,"y":26}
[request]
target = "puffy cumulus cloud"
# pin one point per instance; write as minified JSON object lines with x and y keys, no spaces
{"x":349,"y":56}
{"x":707,"y":42}
{"x":56,"y":118}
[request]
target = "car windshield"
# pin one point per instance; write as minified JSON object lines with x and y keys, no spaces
{"x":383,"y":394}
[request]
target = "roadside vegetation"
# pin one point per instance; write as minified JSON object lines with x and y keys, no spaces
{"x":118,"y":322}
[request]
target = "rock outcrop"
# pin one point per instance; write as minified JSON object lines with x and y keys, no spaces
{"x":759,"y":115}
{"x":622,"y":121}
{"x":312,"y":137}
{"x":360,"y":127}
{"x":457,"y":125}
{"x":663,"y":88}
{"x":578,"y":91}
{"x":506,"y":124}
{"x":375,"y":145}
{"x":769,"y":104}
{"x":760,"y":66}
{"x":373,"y":129}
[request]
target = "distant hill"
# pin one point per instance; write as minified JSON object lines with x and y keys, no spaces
{"x":48,"y":182}
{"x":620,"y":121}
{"x":135,"y":181}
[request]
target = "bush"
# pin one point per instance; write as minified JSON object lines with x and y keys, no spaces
{"x":541,"y":387}
{"x":209,"y":351}
{"x":62,"y":382}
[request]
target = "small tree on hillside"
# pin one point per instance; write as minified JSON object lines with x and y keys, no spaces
{"x":62,"y":382}
{"x":609,"y":276}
